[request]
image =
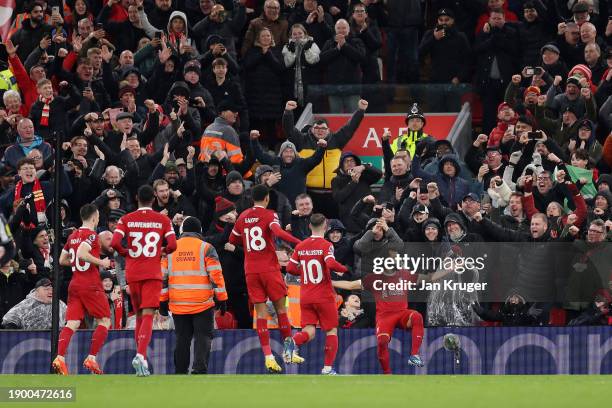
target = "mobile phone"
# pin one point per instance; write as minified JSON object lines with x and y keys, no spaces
{"x":99,"y":26}
{"x":511,"y":129}
{"x":389,"y":206}
{"x":276,"y":168}
{"x":439,"y":27}
{"x":55,"y":10}
{"x":529,"y":71}
{"x":378,"y":212}
{"x":158,"y":35}
{"x":529,"y":172}
{"x":534,"y":135}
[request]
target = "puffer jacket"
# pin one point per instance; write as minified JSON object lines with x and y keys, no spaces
{"x":32,"y":314}
{"x":322,"y":175}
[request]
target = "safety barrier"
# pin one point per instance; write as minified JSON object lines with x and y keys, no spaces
{"x":493,"y":350}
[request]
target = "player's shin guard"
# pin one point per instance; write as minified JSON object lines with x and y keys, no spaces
{"x":264,"y":336}
{"x":301,"y":338}
{"x":417,"y":332}
{"x":64,"y":340}
{"x":283,"y":325}
{"x":382,"y":350}
{"x":144,"y":335}
{"x":97,"y":339}
{"x":331,"y":348}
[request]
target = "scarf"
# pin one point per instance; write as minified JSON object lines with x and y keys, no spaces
{"x":39,"y":202}
{"x":44,"y":117}
{"x":298,"y":87}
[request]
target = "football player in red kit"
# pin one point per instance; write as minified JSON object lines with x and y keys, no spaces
{"x":255,"y":230}
{"x":144,"y":231}
{"x":85,"y":292}
{"x":314,"y":257}
{"x":391,"y":295}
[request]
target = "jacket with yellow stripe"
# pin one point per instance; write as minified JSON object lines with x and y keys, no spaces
{"x":321,"y":176}
{"x":192,"y":276}
{"x":408,"y":141}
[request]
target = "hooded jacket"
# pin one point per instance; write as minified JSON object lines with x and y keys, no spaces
{"x":346,"y":192}
{"x":452,"y":189}
{"x":222,"y":134}
{"x":18,"y":151}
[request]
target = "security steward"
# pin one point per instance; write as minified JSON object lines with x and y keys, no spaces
{"x":192,"y":276}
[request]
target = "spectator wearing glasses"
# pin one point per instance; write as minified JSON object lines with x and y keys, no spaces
{"x":27,"y":140}
{"x":271,"y":20}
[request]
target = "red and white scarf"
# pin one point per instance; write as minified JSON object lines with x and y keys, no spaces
{"x":44,"y":118}
{"x":39,"y":202}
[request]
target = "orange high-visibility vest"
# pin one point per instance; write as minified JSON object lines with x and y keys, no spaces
{"x":293,"y":311}
{"x":192,"y":276}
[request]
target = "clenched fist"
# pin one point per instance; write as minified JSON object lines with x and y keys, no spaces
{"x":290,"y":105}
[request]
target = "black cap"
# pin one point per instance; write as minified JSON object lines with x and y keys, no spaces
{"x":529,"y":4}
{"x":420,"y":208}
{"x":46,"y":282}
{"x":473,"y":196}
{"x":227,"y":105}
{"x":125,"y":115}
{"x":446,"y":12}
{"x":585,"y":123}
{"x":191,"y":224}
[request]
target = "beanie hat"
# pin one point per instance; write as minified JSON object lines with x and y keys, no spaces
{"x":106,"y":275}
{"x":550,"y":47}
{"x":233,"y":176}
{"x":574,"y":80}
{"x":223,"y":206}
{"x":191,"y":224}
{"x":264,"y":168}
{"x":126,"y":89}
{"x":115,"y":215}
{"x":193,"y":66}
{"x":532,"y":89}
{"x":586,"y":71}
{"x":286,"y":145}
{"x":502,"y":106}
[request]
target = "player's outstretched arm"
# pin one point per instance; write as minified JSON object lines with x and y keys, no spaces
{"x":334,"y":265}
{"x":170,"y":243}
{"x":280,"y":233}
{"x":234,"y":238}
{"x":293,"y":266}
{"x":116,"y":243}
{"x":347,"y":285}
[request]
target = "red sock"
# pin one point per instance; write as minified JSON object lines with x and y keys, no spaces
{"x":264,"y":336}
{"x":331,"y":348}
{"x":284,"y":325}
{"x":137,"y":329}
{"x":301,"y":338}
{"x":97,"y":339}
{"x":64,"y":340}
{"x":382,"y":350}
{"x":417,"y":332}
{"x":145,"y":333}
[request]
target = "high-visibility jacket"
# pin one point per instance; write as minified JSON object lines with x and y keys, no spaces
{"x":410,"y":140}
{"x":8,"y":81}
{"x":219,"y":135}
{"x":192,"y":276}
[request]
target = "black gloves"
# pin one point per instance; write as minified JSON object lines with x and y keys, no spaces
{"x":221,"y":305}
{"x":291,"y":46}
{"x":420,"y":148}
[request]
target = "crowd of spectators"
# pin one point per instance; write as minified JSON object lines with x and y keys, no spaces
{"x":200,"y":100}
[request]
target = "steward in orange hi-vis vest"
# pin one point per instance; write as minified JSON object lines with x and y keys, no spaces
{"x":192,"y":276}
{"x":193,"y":284}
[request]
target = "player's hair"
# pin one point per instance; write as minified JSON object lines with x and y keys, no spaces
{"x":260,"y":192}
{"x":145,"y":195}
{"x":317,"y":220}
{"x":87,"y":211}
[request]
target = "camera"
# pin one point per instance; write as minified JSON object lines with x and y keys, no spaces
{"x":534,"y":135}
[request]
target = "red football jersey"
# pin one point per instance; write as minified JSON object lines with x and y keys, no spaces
{"x":390,"y":291}
{"x":311,"y":255}
{"x":145,"y":231}
{"x":253,"y":228}
{"x":84,"y":274}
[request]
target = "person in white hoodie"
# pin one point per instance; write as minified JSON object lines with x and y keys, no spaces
{"x":176,"y":36}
